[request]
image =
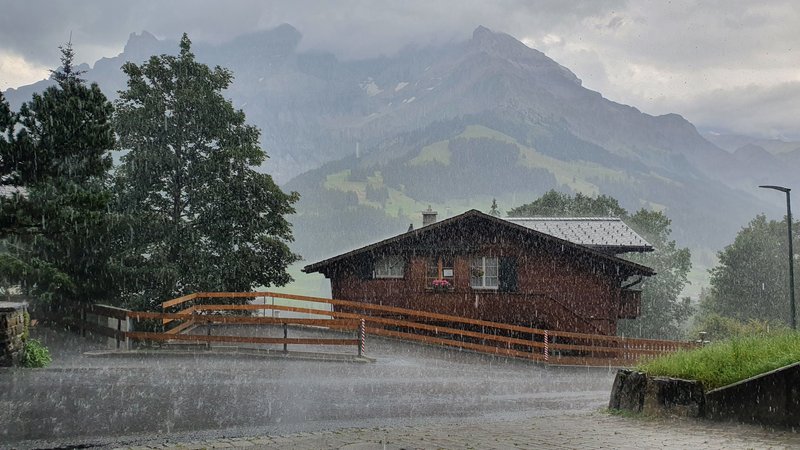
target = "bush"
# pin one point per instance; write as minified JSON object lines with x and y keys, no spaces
{"x":35,"y":354}
{"x":720,"y":327}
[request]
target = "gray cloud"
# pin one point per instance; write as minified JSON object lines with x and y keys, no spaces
{"x":658,"y":56}
{"x":757,"y":110}
{"x":349,"y":28}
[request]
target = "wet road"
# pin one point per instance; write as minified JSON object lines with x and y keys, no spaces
{"x":96,"y":400}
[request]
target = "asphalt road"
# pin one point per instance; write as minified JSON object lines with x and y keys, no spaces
{"x":114,"y":400}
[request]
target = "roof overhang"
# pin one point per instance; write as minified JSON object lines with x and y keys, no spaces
{"x":636,"y":269}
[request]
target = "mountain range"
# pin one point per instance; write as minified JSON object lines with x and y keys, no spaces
{"x":370,"y":143}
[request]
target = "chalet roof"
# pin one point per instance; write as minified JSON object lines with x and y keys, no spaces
{"x":602,"y":233}
{"x":419,"y":232}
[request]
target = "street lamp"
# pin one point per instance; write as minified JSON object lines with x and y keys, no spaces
{"x":791,"y":251}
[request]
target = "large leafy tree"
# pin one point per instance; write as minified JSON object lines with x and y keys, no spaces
{"x":751,"y":280}
{"x":555,"y":204}
{"x":55,"y":212}
{"x":204,"y":218}
{"x":663,"y":311}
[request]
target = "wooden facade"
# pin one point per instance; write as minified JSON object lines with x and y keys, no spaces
{"x":494,"y":270}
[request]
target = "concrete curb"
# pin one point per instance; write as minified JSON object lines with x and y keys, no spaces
{"x":233,"y":351}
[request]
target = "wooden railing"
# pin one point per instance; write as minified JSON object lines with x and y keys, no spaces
{"x":121,"y":325}
{"x":553,"y":347}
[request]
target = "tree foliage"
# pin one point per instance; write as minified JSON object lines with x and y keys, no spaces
{"x":751,"y":280}
{"x":663,"y":311}
{"x":203,"y":218}
{"x":558,"y":204}
{"x":55,"y":221}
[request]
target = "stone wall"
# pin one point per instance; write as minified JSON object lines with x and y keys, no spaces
{"x":12,"y":329}
{"x":772,"y":398}
{"x":656,"y":396}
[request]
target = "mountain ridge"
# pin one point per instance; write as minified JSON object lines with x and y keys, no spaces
{"x":321,"y":116}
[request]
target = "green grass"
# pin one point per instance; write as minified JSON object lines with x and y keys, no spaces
{"x":727,"y":362}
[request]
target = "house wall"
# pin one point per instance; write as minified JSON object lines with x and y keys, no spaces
{"x":553,"y":291}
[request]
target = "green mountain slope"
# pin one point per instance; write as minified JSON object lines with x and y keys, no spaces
{"x":462,"y":164}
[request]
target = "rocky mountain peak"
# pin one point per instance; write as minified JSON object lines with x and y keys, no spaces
{"x":140,"y":42}
{"x":504,"y":46}
{"x":501,"y":43}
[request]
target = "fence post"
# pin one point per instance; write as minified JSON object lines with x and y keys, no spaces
{"x":119,"y":330}
{"x":546,"y":347}
{"x":285,"y":335}
{"x":208,"y":333}
{"x":82,"y":315}
{"x":362,"y":334}
{"x":128,"y":329}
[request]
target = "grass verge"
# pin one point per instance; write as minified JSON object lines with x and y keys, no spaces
{"x":727,"y":362}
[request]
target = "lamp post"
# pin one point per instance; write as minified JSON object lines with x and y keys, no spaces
{"x":791,"y":250}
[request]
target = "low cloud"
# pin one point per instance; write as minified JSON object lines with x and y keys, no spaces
{"x":765,"y":111}
{"x":657,"y":56}
{"x":16,"y":71}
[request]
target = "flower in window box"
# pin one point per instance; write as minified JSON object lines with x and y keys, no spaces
{"x":440,"y":285}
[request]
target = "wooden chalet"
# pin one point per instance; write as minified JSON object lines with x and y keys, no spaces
{"x":551,"y":273}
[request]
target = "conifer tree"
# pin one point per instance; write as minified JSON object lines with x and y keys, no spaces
{"x":56,"y":223}
{"x":206,"y":220}
{"x":494,"y":210}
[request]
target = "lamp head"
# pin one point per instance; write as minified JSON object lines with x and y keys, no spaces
{"x":777,"y":188}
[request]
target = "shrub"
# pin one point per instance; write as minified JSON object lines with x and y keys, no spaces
{"x":721,"y":327}
{"x":35,"y":354}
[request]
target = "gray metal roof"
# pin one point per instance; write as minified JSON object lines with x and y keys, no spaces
{"x":601,"y":252}
{"x":609,"y":233}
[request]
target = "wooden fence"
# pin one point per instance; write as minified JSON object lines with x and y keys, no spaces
{"x":549,"y":346}
{"x":120,"y":325}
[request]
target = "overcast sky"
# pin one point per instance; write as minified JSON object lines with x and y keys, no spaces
{"x":726,"y":64}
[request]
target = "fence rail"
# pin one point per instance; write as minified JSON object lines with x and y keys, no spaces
{"x":121,"y":323}
{"x":551,"y":346}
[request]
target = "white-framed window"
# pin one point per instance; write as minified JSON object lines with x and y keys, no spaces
{"x":483,"y":272}
{"x":389,"y":267}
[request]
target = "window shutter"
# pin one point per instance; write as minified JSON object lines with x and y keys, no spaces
{"x":508,"y":274}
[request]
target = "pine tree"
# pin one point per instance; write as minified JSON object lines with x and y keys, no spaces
{"x":9,"y":264}
{"x":494,"y":210}
{"x":205,"y":219}
{"x":8,"y":121}
{"x":56,"y":224}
